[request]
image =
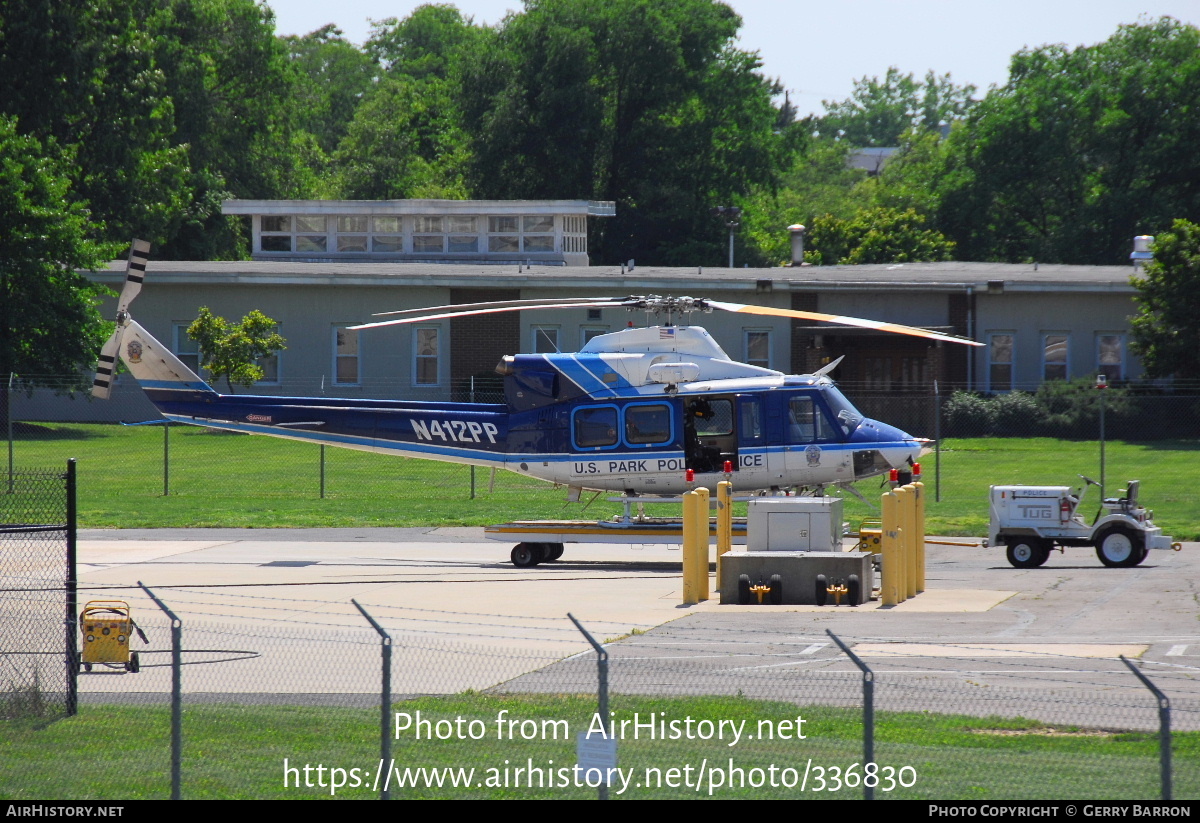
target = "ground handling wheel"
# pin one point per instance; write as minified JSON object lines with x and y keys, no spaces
{"x":775,"y":595}
{"x":1027,"y":552}
{"x":822,"y":590}
{"x":525,"y":555}
{"x":1121,"y":547}
{"x":854,"y":590}
{"x":134,"y":665}
{"x":553,"y":551}
{"x":744,"y":590}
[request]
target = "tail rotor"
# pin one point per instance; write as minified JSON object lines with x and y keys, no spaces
{"x":135,"y":273}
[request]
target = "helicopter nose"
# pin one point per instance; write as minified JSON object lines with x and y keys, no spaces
{"x":927,"y":445}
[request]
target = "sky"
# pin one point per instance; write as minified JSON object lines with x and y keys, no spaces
{"x":818,"y":49}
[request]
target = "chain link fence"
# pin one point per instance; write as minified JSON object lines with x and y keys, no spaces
{"x":327,"y":701}
{"x":37,"y":633}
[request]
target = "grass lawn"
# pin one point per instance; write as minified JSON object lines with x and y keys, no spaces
{"x":219,"y":479}
{"x":122,"y":752}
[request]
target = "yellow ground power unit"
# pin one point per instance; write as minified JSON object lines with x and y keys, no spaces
{"x":106,"y":629}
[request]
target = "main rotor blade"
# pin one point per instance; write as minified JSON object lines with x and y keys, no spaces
{"x":135,"y":273}
{"x":425,"y":318}
{"x":898,"y":328}
{"x":516,"y":304}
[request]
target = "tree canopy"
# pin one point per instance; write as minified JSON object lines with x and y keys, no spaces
{"x":49,"y":323}
{"x":233,"y":351}
{"x":1079,"y":151}
{"x":880,"y":112}
{"x":1165,"y":332}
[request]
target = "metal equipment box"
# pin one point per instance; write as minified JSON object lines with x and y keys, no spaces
{"x":794,"y":524}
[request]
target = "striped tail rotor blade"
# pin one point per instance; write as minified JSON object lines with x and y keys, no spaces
{"x":898,"y":328}
{"x":107,"y":365}
{"x":135,"y":273}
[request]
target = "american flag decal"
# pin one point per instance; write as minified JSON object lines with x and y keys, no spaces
{"x":666,"y":333}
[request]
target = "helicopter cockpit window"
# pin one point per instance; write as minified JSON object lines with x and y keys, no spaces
{"x":713,"y":418}
{"x":843,"y":410}
{"x":595,"y":428}
{"x":647,"y":425}
{"x":806,"y":424}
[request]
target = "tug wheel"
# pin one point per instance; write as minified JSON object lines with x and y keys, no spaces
{"x":525,"y":555}
{"x":553,"y":551}
{"x":1027,"y":553}
{"x":1120,"y":547}
{"x":822,"y":594}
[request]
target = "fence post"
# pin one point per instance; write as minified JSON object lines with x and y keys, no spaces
{"x":72,"y":594}
{"x":166,"y":458}
{"x":601,"y":688}
{"x":472,"y":465}
{"x":385,"y":699}
{"x":322,"y":471}
{"x":176,"y":692}
{"x":8,"y":417}
{"x":937,"y":443}
{"x":1164,"y":728}
{"x":868,"y":712}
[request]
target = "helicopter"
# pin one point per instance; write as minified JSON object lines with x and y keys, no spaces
{"x":651,"y":410}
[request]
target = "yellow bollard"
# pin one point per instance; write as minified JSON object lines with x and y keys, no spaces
{"x":724,"y":524}
{"x":909,"y":524}
{"x":889,"y":591}
{"x":690,"y":525}
{"x":920,"y":487}
{"x":702,"y":542}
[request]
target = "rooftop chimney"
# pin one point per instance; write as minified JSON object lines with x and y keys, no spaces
{"x":797,"y":231}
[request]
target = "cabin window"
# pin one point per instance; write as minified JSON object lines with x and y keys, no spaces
{"x":345,"y":356}
{"x":1055,"y":349}
{"x":425,"y":356}
{"x":750,"y":421}
{"x":713,"y":418}
{"x":648,"y":425}
{"x":595,"y":427}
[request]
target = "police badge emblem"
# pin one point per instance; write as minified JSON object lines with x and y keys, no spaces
{"x":813,"y":455}
{"x":133,"y":352}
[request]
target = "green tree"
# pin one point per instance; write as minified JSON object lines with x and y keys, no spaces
{"x":1079,"y":151}
{"x":879,"y":112}
{"x":429,"y":43}
{"x":49,"y":323}
{"x":1166,"y":335}
{"x":876,"y":235}
{"x":232,"y":351}
{"x":333,"y":75}
{"x":818,"y":183}
{"x":648,"y":104}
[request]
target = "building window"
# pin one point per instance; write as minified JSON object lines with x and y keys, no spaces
{"x":1000,"y":362}
{"x":545,"y":339}
{"x":1055,"y":349}
{"x":302,"y":233}
{"x":586,"y":333}
{"x":345,"y":356}
{"x":425,"y":356}
{"x":757,"y":344}
{"x":531,"y":233}
{"x":186,"y":349}
{"x":1110,"y":356}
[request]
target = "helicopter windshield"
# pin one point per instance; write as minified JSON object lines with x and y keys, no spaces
{"x":843,"y":410}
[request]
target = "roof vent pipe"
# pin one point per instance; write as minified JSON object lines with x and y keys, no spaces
{"x":1141,"y":250}
{"x":797,"y":231}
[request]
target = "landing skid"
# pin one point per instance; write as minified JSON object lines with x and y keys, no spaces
{"x":542,"y":541}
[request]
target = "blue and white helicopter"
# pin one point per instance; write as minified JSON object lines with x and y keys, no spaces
{"x":634,"y":412}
